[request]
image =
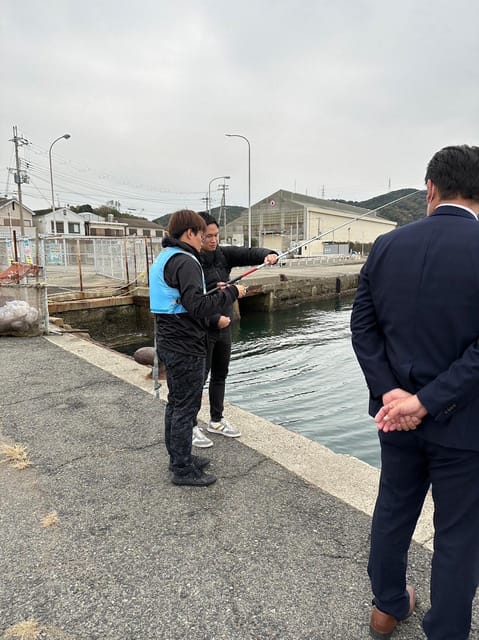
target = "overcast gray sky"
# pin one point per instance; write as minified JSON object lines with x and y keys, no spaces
{"x":336,"y":97}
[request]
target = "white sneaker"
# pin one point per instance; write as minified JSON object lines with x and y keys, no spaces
{"x":199,"y":439}
{"x":224,"y":428}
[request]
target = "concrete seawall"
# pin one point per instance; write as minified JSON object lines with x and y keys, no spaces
{"x":270,"y":289}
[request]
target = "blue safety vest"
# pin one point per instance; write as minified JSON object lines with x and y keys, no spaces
{"x":163,"y":298}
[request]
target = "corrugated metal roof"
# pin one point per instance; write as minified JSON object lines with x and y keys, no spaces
{"x":139,"y":223}
{"x":305,"y":200}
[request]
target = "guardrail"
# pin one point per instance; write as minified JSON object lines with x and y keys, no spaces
{"x":321,"y":260}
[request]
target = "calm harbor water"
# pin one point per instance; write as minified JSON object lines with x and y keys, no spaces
{"x":297,"y":368}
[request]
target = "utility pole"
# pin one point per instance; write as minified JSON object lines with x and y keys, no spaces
{"x":206,"y":200}
{"x":223,"y":187}
{"x":19,"y":176}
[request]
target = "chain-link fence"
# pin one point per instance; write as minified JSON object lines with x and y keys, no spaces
{"x":65,"y":265}
{"x":83,"y":262}
{"x":98,"y":261}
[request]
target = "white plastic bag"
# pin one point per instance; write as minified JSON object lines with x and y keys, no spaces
{"x":17,"y":316}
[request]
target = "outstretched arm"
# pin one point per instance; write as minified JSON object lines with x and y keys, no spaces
{"x":244,"y":256}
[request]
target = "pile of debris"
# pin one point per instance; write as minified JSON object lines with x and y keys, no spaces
{"x":17,"y":318}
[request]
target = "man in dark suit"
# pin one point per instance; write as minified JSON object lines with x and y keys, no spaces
{"x":415,"y":332}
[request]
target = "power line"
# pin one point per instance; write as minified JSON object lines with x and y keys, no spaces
{"x":89,"y":191}
{"x":106,"y":175}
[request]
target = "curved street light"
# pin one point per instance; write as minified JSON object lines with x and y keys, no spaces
{"x":237,"y":135}
{"x":66,"y":136}
{"x":209,"y":189}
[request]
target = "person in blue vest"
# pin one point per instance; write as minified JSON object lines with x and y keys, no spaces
{"x":181,"y":309}
{"x":217,"y":262}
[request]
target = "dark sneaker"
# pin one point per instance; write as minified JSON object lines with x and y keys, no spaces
{"x":194,"y":477}
{"x":200,"y":462}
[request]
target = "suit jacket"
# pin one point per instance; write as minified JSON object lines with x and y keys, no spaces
{"x":415,"y":322}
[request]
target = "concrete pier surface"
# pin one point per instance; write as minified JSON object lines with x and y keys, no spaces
{"x":276,"y":549}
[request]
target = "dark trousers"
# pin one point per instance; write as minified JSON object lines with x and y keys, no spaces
{"x":409,"y":466}
{"x":219,"y":355}
{"x":185,"y":376}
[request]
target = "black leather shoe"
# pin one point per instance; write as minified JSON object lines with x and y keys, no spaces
{"x":194,"y":477}
{"x":199,"y":461}
{"x":382,"y":624}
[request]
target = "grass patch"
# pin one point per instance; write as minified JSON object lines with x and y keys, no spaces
{"x":16,"y":455}
{"x":50,"y":519}
{"x":26,"y":630}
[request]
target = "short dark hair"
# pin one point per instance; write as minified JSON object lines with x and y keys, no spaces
{"x":209,"y":219}
{"x":455,"y":172}
{"x":181,"y":221}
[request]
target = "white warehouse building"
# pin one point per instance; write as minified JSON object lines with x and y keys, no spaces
{"x":286,"y":219}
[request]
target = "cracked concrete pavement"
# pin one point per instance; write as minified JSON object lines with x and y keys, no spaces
{"x":265,"y":553}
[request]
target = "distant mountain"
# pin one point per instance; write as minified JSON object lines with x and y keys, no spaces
{"x":402,"y":212}
{"x":232,"y":213}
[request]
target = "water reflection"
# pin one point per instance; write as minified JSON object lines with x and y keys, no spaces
{"x":297,"y":368}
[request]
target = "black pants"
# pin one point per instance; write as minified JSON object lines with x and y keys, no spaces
{"x":219,"y":354}
{"x":185,"y":376}
{"x":409,"y":466}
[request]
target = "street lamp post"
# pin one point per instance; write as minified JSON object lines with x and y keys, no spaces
{"x":236,"y":135}
{"x":209,"y":189}
{"x":66,"y":136}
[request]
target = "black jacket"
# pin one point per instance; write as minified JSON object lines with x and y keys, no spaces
{"x":186,"y":332}
{"x":217,"y":266}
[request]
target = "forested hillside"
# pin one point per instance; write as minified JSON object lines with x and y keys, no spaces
{"x":231,"y":214}
{"x":402,"y":212}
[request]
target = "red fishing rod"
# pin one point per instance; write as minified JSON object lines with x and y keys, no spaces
{"x":300,"y":246}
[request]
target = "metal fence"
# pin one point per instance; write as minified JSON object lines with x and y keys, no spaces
{"x":66,"y":265}
{"x":322,"y":260}
{"x":97,"y":260}
{"x":86,"y":262}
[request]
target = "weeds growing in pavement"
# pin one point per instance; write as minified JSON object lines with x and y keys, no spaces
{"x":26,"y":630}
{"x":50,"y":519}
{"x":16,"y":455}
